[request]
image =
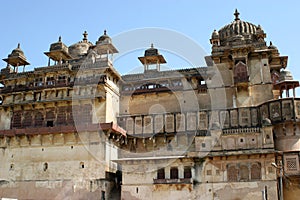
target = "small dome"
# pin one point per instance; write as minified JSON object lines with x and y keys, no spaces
{"x":16,"y":57}
{"x":17,"y":52}
{"x":104,"y":39}
{"x":215,"y":35}
{"x":285,"y":75}
{"x":266,"y":122}
{"x":271,"y":46}
{"x":151,"y":51}
{"x":80,"y":48}
{"x":58,"y":46}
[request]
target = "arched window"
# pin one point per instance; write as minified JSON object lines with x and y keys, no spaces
{"x":244,"y":173}
{"x":38,"y":119}
{"x":27,"y":119}
{"x":232,"y":173}
{"x":61,"y":115}
{"x":256,"y":171}
{"x":16,"y":120}
{"x":240,"y":72}
{"x":50,"y":117}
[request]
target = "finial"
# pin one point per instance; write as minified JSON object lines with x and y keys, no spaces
{"x":18,"y":46}
{"x":152,"y":46}
{"x":104,"y":32}
{"x":59,"y":39}
{"x":85,"y":34}
{"x":236,"y":14}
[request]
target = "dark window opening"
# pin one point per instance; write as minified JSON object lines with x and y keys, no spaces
{"x":50,"y":81}
{"x":174,"y":173}
{"x":50,"y":124}
{"x":161,"y":173}
{"x":45,"y":167}
{"x":102,"y":195}
{"x":187,"y":173}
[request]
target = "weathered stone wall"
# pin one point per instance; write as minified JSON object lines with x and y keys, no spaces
{"x":60,"y":165}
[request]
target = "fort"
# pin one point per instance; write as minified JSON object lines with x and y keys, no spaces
{"x":78,"y":129}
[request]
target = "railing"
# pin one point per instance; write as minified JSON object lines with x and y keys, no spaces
{"x":54,"y":84}
{"x":173,"y":181}
{"x":241,"y":130}
{"x":50,"y":130}
{"x":231,"y":121}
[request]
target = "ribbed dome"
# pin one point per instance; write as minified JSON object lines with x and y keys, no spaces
{"x":238,"y":30}
{"x":237,"y":27}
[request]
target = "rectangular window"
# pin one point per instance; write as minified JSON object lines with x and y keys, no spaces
{"x":187,"y":173}
{"x":202,"y":116}
{"x":174,"y":173}
{"x":50,"y":81}
{"x":161,"y":173}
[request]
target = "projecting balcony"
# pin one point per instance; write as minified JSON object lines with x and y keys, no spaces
{"x":173,"y":181}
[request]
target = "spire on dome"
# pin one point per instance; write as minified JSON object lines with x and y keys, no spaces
{"x":85,"y":38}
{"x":236,"y":14}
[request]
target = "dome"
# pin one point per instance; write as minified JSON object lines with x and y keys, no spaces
{"x":17,"y":52}
{"x":17,"y":57}
{"x":80,"y":48}
{"x":285,"y":75}
{"x":58,"y":46}
{"x":238,"y":29}
{"x":215,"y":35}
{"x":104,"y":39}
{"x":272,"y":46}
{"x":151,"y":51}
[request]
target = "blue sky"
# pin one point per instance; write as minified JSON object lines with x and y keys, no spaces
{"x":36,"y":24}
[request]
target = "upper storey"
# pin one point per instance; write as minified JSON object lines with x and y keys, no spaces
{"x":80,"y":56}
{"x":241,"y":40}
